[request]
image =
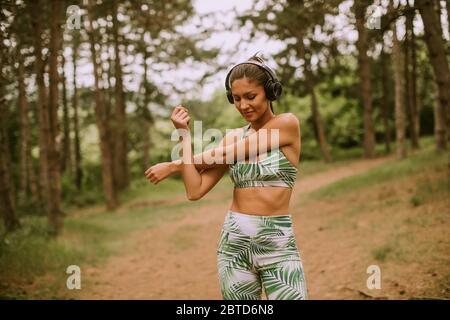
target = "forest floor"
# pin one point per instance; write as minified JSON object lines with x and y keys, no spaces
{"x":346,"y":218}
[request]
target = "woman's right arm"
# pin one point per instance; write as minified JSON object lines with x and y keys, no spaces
{"x":204,"y":180}
{"x":208,"y":179}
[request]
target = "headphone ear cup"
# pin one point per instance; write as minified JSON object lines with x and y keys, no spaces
{"x":277,"y":89}
{"x":273,"y":90}
{"x":230,"y":97}
{"x":268,"y":90}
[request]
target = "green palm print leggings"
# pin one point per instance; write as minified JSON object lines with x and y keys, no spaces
{"x":259,"y":251}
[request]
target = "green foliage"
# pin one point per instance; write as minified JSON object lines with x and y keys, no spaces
{"x":30,"y":252}
{"x":429,"y":190}
{"x":342,"y":118}
{"x":426,"y":159}
{"x":382,"y":253}
{"x":91,"y":190}
{"x":216,"y":113}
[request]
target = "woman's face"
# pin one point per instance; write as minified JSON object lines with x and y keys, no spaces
{"x":249,"y":98}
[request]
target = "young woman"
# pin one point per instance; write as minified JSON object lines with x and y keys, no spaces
{"x":257,"y":247}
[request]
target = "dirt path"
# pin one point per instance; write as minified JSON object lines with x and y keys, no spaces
{"x":177,"y":260}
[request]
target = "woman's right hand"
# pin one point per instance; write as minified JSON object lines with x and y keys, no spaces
{"x":160,"y":171}
{"x":180,"y":118}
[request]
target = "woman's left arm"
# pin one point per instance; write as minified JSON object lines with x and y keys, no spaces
{"x":287,"y":132}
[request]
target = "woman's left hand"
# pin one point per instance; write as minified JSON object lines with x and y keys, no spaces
{"x":180,"y":118}
{"x":160,"y":171}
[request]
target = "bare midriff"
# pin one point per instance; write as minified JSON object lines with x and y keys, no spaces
{"x":263,"y":201}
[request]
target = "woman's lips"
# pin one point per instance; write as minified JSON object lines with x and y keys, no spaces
{"x":248,"y":113}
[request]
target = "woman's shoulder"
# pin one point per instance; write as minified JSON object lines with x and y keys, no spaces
{"x":288,"y":117}
{"x":286,"y":120}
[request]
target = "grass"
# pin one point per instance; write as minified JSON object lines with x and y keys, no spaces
{"x":430,"y":189}
{"x":395,"y":215}
{"x":397,"y":248}
{"x":30,"y":252}
{"x":309,"y":167}
{"x":144,"y":189}
{"x":399,"y":219}
{"x":427,"y":159}
{"x":381,"y":253}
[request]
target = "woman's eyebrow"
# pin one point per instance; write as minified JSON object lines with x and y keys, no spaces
{"x":247,"y":93}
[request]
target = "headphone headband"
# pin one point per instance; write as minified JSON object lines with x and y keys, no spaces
{"x":256,"y":63}
{"x":272,"y":87}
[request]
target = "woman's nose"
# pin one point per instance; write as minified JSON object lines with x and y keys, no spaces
{"x":245,"y":104}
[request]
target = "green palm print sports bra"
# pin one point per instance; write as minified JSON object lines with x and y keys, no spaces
{"x":275,"y":170}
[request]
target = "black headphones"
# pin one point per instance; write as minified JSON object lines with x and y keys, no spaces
{"x":272,"y":87}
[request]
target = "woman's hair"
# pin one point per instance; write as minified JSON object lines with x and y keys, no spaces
{"x":252,"y":72}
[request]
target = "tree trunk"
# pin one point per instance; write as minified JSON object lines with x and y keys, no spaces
{"x":7,"y":193}
{"x":414,"y":81}
{"x":102,"y":121}
{"x":110,"y":102}
{"x":436,"y":48}
{"x":364,"y":75}
{"x":410,"y":81}
{"x":438,"y":9}
{"x":120,"y":154}
{"x":39,"y":67}
{"x":318,"y":124}
{"x":439,"y":123}
{"x":399,"y":107}
{"x":66,"y":159}
{"x":55,"y":215}
{"x":76,"y":129}
{"x":146,"y":140}
{"x":7,"y":203}
{"x":385,"y":101}
{"x":146,"y":116}
{"x":24,"y":127}
{"x":27,"y":177}
{"x":110,"y":91}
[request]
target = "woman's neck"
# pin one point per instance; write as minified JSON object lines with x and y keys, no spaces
{"x":260,"y":122}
